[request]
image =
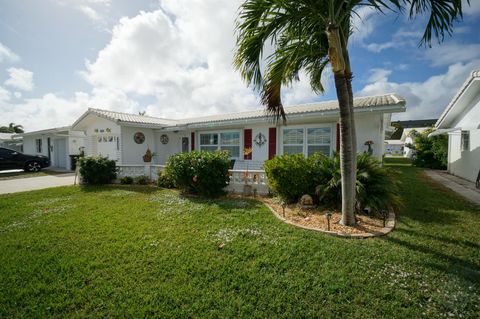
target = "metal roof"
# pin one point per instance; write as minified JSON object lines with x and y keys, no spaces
{"x":371,"y":102}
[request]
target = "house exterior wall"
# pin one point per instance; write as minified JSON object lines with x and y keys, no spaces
{"x":464,"y":163}
{"x":368,"y":127}
{"x":96,"y":127}
{"x":132,"y":153}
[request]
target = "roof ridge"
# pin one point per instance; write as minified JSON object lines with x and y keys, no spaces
{"x":130,"y":114}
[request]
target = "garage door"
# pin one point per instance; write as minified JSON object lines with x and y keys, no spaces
{"x":60,"y":151}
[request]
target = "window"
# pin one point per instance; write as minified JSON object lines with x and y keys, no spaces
{"x":318,"y":140}
{"x":465,"y":141}
{"x":38,"y":145}
{"x":227,"y":141}
{"x":307,"y":141}
{"x":293,"y":140}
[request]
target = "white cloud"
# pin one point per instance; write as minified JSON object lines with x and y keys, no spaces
{"x":448,"y":53}
{"x":473,"y":9}
{"x":7,"y":55}
{"x":4,"y":95}
{"x":20,"y":78}
{"x":90,"y":13}
{"x":377,"y":75}
{"x":17,"y":94}
{"x":424,"y":99}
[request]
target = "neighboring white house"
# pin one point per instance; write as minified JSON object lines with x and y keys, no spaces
{"x":461,"y":120}
{"x":311,"y":128}
{"x":56,"y":143}
{"x":394,"y":147}
{"x":10,"y":140}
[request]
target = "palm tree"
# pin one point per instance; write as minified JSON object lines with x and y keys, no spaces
{"x":15,"y":128}
{"x":307,"y":35}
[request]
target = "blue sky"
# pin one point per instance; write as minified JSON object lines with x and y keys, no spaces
{"x":173,"y":58}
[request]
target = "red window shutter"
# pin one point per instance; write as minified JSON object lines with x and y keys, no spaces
{"x":192,"y":140}
{"x":272,"y":142}
{"x":247,"y":142}
{"x":338,"y":137}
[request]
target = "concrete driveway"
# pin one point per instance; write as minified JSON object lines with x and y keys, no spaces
{"x":32,"y":183}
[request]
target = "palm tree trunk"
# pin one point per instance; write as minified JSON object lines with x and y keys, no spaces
{"x":347,"y":153}
{"x":349,"y":77}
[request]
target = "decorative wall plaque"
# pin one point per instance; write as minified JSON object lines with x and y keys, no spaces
{"x":139,"y":138}
{"x":260,"y":139}
{"x":164,"y":139}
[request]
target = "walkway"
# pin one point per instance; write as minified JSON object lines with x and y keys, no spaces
{"x":31,"y":183}
{"x":459,"y":185}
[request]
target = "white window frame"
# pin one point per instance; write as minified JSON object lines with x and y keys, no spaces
{"x":465,"y":141}
{"x":305,"y":145}
{"x":38,"y":145}
{"x":219,"y":144}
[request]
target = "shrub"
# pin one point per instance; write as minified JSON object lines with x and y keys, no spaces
{"x":205,"y":173}
{"x":429,"y":152}
{"x":164,"y":180}
{"x":290,"y":176}
{"x":127,"y":180}
{"x":97,"y":170}
{"x":142,"y":180}
{"x":376,"y":186}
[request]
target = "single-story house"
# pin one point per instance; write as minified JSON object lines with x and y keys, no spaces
{"x":310,"y":128}
{"x":57,"y":143}
{"x":461,"y":120}
{"x":394,"y":147}
{"x":10,"y":140}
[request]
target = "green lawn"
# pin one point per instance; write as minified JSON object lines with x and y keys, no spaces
{"x":139,"y":251}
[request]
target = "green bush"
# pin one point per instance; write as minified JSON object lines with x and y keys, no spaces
{"x":142,"y":180}
{"x":127,"y":180}
{"x":291,"y":176}
{"x":205,"y":173}
{"x":430,"y":152}
{"x":376,"y":186}
{"x":164,"y":180}
{"x":97,"y":170}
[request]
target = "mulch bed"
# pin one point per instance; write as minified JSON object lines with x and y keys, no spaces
{"x":317,"y":220}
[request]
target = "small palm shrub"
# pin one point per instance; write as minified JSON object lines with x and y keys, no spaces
{"x":127,"y":180}
{"x":430,"y":152}
{"x":97,"y":170}
{"x":376,"y":186}
{"x":164,"y":180}
{"x":142,"y":180}
{"x":291,"y":176}
{"x":204,"y":173}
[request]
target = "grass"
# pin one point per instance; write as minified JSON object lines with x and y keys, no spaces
{"x":23,"y":174}
{"x":140,"y":251}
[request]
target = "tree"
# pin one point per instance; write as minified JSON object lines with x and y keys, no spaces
{"x":11,"y":128}
{"x":307,"y":35}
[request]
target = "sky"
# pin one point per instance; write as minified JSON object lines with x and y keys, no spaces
{"x":173,"y":59}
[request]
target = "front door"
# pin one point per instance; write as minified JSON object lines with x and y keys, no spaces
{"x":60,"y":152}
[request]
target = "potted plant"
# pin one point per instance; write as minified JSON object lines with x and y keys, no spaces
{"x":147,"y":158}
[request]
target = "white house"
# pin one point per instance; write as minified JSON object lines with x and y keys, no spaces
{"x":394,"y":147}
{"x":56,"y":143}
{"x":310,"y":128}
{"x":461,"y":120}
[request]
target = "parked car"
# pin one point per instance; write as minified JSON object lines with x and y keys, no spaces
{"x":11,"y":159}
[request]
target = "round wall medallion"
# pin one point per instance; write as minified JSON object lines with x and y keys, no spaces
{"x":164,"y":138}
{"x":139,"y":138}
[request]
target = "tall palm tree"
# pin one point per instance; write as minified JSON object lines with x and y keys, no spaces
{"x":307,"y":35}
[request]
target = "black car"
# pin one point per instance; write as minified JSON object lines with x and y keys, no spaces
{"x":11,"y":159}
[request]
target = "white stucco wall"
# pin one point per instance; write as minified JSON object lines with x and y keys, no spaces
{"x":370,"y":127}
{"x":465,"y":164}
{"x":132,"y":153}
{"x":164,"y":151}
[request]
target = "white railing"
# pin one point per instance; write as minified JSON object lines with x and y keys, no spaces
{"x":257,"y":179}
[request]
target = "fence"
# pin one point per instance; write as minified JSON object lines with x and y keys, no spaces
{"x":238,"y":178}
